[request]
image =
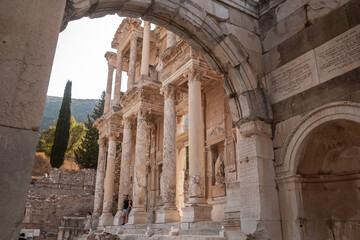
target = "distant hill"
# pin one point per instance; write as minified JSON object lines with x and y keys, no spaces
{"x":80,"y":108}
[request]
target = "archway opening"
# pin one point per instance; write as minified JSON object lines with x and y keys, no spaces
{"x":329,"y":167}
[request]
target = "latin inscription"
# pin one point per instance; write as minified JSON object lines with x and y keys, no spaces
{"x":292,"y":78}
{"x":339,"y":55}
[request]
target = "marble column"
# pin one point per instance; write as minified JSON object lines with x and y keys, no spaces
{"x":108,"y":88}
{"x":138,"y":214}
{"x":145,"y":50}
{"x":125,"y":168}
{"x":117,"y":89}
{"x":106,"y":217}
{"x":99,"y":185}
{"x":132,"y":62}
{"x":170,"y":39}
{"x":196,"y":208}
{"x":169,"y":212}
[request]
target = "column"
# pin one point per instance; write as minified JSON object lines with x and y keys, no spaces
{"x":119,"y":62}
{"x":99,"y":185}
{"x":145,"y":50}
{"x":169,"y":212}
{"x":108,"y":88}
{"x":259,"y":207}
{"x":107,"y":218}
{"x":138,"y":213}
{"x":125,"y":168}
{"x":196,"y":208}
{"x":170,"y":39}
{"x":132,"y":61}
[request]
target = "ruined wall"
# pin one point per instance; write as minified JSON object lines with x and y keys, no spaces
{"x":58,"y":195}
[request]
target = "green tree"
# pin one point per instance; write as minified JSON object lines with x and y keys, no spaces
{"x":46,"y":138}
{"x":61,"y":138}
{"x":77,"y":133}
{"x":86,"y":155}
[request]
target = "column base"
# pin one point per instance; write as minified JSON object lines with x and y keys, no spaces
{"x":167,"y":215}
{"x":106,"y":219}
{"x":137,"y":216}
{"x":118,"y":219}
{"x":196,"y":213}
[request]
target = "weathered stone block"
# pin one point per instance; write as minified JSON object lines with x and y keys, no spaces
{"x":323,"y":30}
{"x":288,"y":7}
{"x":214,"y":8}
{"x":352,"y":11}
{"x":284,"y":29}
{"x":255,"y":146}
{"x":244,"y":20}
{"x":319,"y":8}
{"x":248,"y":39}
{"x":283,"y":129}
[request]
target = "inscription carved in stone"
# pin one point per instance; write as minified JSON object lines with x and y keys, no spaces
{"x":339,"y":55}
{"x":292,"y":78}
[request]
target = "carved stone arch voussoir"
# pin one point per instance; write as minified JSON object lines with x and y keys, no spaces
{"x":287,"y":163}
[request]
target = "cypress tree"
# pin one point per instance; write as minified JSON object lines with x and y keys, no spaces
{"x":86,"y":155}
{"x":61,"y":138}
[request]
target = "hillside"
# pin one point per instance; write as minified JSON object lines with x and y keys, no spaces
{"x":80,"y":108}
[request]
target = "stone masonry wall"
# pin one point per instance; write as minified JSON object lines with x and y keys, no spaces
{"x":55,"y":196}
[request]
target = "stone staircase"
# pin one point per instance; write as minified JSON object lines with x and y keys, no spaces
{"x":169,"y":231}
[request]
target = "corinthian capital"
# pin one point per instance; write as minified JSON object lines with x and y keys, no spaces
{"x":193,"y":75}
{"x":169,"y":91}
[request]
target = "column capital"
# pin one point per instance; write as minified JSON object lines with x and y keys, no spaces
{"x":169,"y":91}
{"x":113,"y":136}
{"x":143,"y":113}
{"x":193,"y":75}
{"x":111,"y":68}
{"x":102,"y":142}
{"x":128,"y":122}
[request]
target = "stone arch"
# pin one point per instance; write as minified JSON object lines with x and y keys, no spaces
{"x":288,"y":162}
{"x":224,"y":53}
{"x":317,"y":174}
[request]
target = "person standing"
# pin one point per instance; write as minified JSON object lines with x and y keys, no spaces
{"x":126,"y":208}
{"x":88,"y":223}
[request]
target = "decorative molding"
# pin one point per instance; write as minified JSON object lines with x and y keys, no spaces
{"x":309,"y":119}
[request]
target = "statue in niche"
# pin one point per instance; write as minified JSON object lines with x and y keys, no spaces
{"x":219,"y":169}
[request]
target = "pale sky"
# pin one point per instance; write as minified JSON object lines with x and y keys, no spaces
{"x":80,"y":57}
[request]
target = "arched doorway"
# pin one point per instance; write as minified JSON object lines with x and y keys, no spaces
{"x":318,"y":178}
{"x":26,"y":65}
{"x":329,"y":166}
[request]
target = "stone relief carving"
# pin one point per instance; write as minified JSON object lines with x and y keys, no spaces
{"x":219,"y":169}
{"x":216,"y":131}
{"x":195,"y":185}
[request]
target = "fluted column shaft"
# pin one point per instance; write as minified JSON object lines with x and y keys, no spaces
{"x":170,"y":39}
{"x":196,"y":140}
{"x":108,"y":88}
{"x":132,"y":61}
{"x":169,"y":212}
{"x":126,"y":153}
{"x":145,"y":50}
{"x":168,"y":179}
{"x":138,"y":214}
{"x":119,"y":63}
{"x":106,"y":217}
{"x":100,"y":174}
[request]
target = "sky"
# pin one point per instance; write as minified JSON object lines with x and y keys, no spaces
{"x":80,"y":57}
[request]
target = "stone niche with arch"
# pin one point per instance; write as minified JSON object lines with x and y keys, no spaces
{"x":319,"y":175}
